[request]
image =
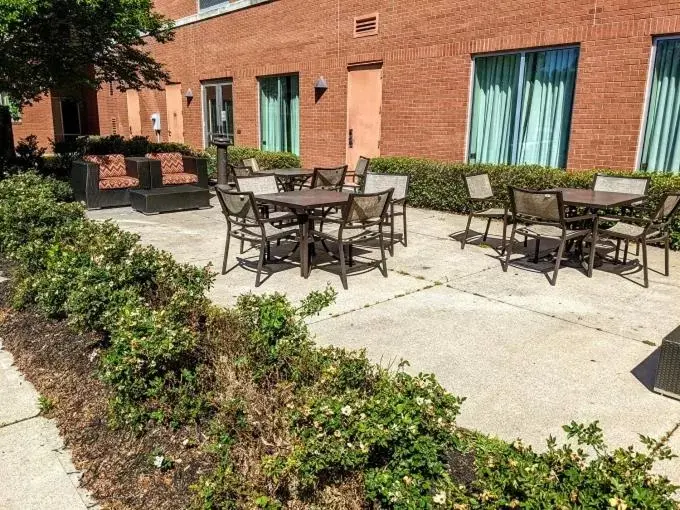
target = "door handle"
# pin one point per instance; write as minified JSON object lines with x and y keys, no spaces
{"x":350,"y":141}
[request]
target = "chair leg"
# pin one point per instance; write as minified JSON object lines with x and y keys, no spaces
{"x":350,"y":250}
{"x":343,"y":268}
{"x":625,"y":251}
{"x":226,"y":250}
{"x":667,"y":248}
{"x":618,"y":247}
{"x":486,"y":230}
{"x":505,"y":233}
{"x":242,"y":245}
{"x":391,"y":230}
{"x":260,"y":262}
{"x":560,"y":252}
{"x":383,"y":263}
{"x":637,"y":249}
{"x":405,"y":238}
{"x":508,"y":250}
{"x":537,"y":248}
{"x":526,"y":241}
{"x":467,"y":230}
{"x":268,"y":257}
{"x":644,"y":262}
{"x":593,"y":253}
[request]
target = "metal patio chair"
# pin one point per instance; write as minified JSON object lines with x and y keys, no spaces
{"x":329,"y":178}
{"x":252,"y":164}
{"x":362,"y":220}
{"x":543,"y":216}
{"x":245,"y":223}
{"x":644,"y":231}
{"x":374,"y":183}
{"x":479,"y":192}
{"x":359,"y":171}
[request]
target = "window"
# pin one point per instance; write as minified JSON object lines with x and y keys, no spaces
{"x":14,"y":109}
{"x":521,"y":107}
{"x":207,"y":4}
{"x":218,"y":107}
{"x":661,"y":132}
{"x":70,"y":118}
{"x":280,"y":114}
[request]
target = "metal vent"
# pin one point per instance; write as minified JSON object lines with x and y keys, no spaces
{"x":114,"y":126}
{"x":366,"y":25}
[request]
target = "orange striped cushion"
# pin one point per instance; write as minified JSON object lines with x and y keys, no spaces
{"x":110,"y":165}
{"x":171,"y":162}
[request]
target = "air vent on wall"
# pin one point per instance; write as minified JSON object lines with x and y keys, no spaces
{"x":114,"y":126}
{"x":366,"y":25}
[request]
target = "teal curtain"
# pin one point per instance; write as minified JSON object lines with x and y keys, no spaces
{"x":548,"y":92}
{"x":494,"y":103}
{"x":661,"y":145}
{"x":279,"y":114}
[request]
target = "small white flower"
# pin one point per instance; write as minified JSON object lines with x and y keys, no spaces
{"x":93,"y":355}
{"x":420,"y":401}
{"x":347,"y":410}
{"x":158,"y":461}
{"x":439,"y":498}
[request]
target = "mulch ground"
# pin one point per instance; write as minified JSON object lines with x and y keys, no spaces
{"x":117,"y":465}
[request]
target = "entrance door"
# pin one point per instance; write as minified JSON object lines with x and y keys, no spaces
{"x":364,"y":106}
{"x":173,"y":103}
{"x":134,"y":119}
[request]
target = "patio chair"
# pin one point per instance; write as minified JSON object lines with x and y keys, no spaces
{"x":174,"y":169}
{"x":479,"y":191}
{"x":106,"y":180}
{"x":234,"y":171}
{"x":543,"y":214}
{"x":359,"y":171}
{"x":644,"y":231}
{"x":329,"y":178}
{"x":374,"y":182}
{"x":245,"y":223}
{"x":252,"y":164}
{"x":362,"y":220}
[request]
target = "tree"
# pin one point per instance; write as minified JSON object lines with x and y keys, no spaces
{"x":66,"y":45}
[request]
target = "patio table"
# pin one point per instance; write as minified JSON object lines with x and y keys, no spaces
{"x":578,"y":197}
{"x":302,"y":203}
{"x":289,"y":178}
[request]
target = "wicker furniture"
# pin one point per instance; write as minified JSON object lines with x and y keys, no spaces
{"x":374,"y":183}
{"x":245,"y":223}
{"x":331,"y":179}
{"x":105,"y":181}
{"x":169,"y":199}
{"x":542,"y":212}
{"x":644,"y":231}
{"x":359,"y":171}
{"x":668,"y":372}
{"x":362,"y":220}
{"x":480,"y":192}
{"x":173,"y":169}
{"x":252,"y":164}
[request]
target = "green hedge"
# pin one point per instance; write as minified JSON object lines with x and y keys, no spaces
{"x":436,"y":185}
{"x":265,"y":159}
{"x":289,"y":424}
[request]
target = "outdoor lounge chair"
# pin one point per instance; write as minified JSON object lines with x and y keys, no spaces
{"x":362,"y":220}
{"x":479,"y":191}
{"x":374,"y":183}
{"x":359,"y":171}
{"x":105,"y":181}
{"x":644,"y":231}
{"x":173,"y":168}
{"x":245,"y":223}
{"x":542,"y":213}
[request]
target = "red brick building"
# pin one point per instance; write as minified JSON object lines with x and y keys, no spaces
{"x":580,"y":83}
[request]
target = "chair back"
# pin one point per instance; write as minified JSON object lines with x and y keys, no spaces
{"x":110,"y":165}
{"x":535,"y":206}
{"x":669,"y":207}
{"x":329,"y":178}
{"x":259,"y":184}
{"x":367,"y":208}
{"x":240,"y":171}
{"x":619,"y":184}
{"x":171,"y":162}
{"x":374,"y":183}
{"x":362,"y":166}
{"x":238,"y":208}
{"x":252,"y":163}
{"x":478,"y":186}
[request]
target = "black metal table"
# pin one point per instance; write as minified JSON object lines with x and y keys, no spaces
{"x":169,"y":199}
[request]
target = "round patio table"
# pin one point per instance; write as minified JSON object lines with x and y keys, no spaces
{"x":292,"y":178}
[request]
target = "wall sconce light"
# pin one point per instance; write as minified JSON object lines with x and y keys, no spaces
{"x":320,"y":87}
{"x":189,"y":95}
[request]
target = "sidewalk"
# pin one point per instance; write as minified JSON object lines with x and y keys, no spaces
{"x":36,"y":472}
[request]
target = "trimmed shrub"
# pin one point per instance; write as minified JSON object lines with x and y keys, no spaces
{"x":436,"y":185}
{"x":265,"y":159}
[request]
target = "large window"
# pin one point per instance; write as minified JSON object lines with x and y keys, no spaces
{"x":218,"y":110}
{"x":280,"y":114}
{"x":661,"y":140}
{"x":521,"y":107}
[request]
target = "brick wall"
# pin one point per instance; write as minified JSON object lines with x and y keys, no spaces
{"x":36,"y":119}
{"x":426,"y":50}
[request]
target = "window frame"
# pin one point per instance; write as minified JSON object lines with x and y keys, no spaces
{"x":648,"y":92}
{"x":520,"y":93}
{"x":218,"y":83}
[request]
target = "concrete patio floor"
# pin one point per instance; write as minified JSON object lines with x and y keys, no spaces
{"x":529,"y":357}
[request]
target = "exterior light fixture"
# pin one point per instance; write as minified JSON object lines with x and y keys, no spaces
{"x":189,"y":96}
{"x":320,"y":88}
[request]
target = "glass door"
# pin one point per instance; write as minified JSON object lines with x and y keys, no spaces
{"x":218,"y":110}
